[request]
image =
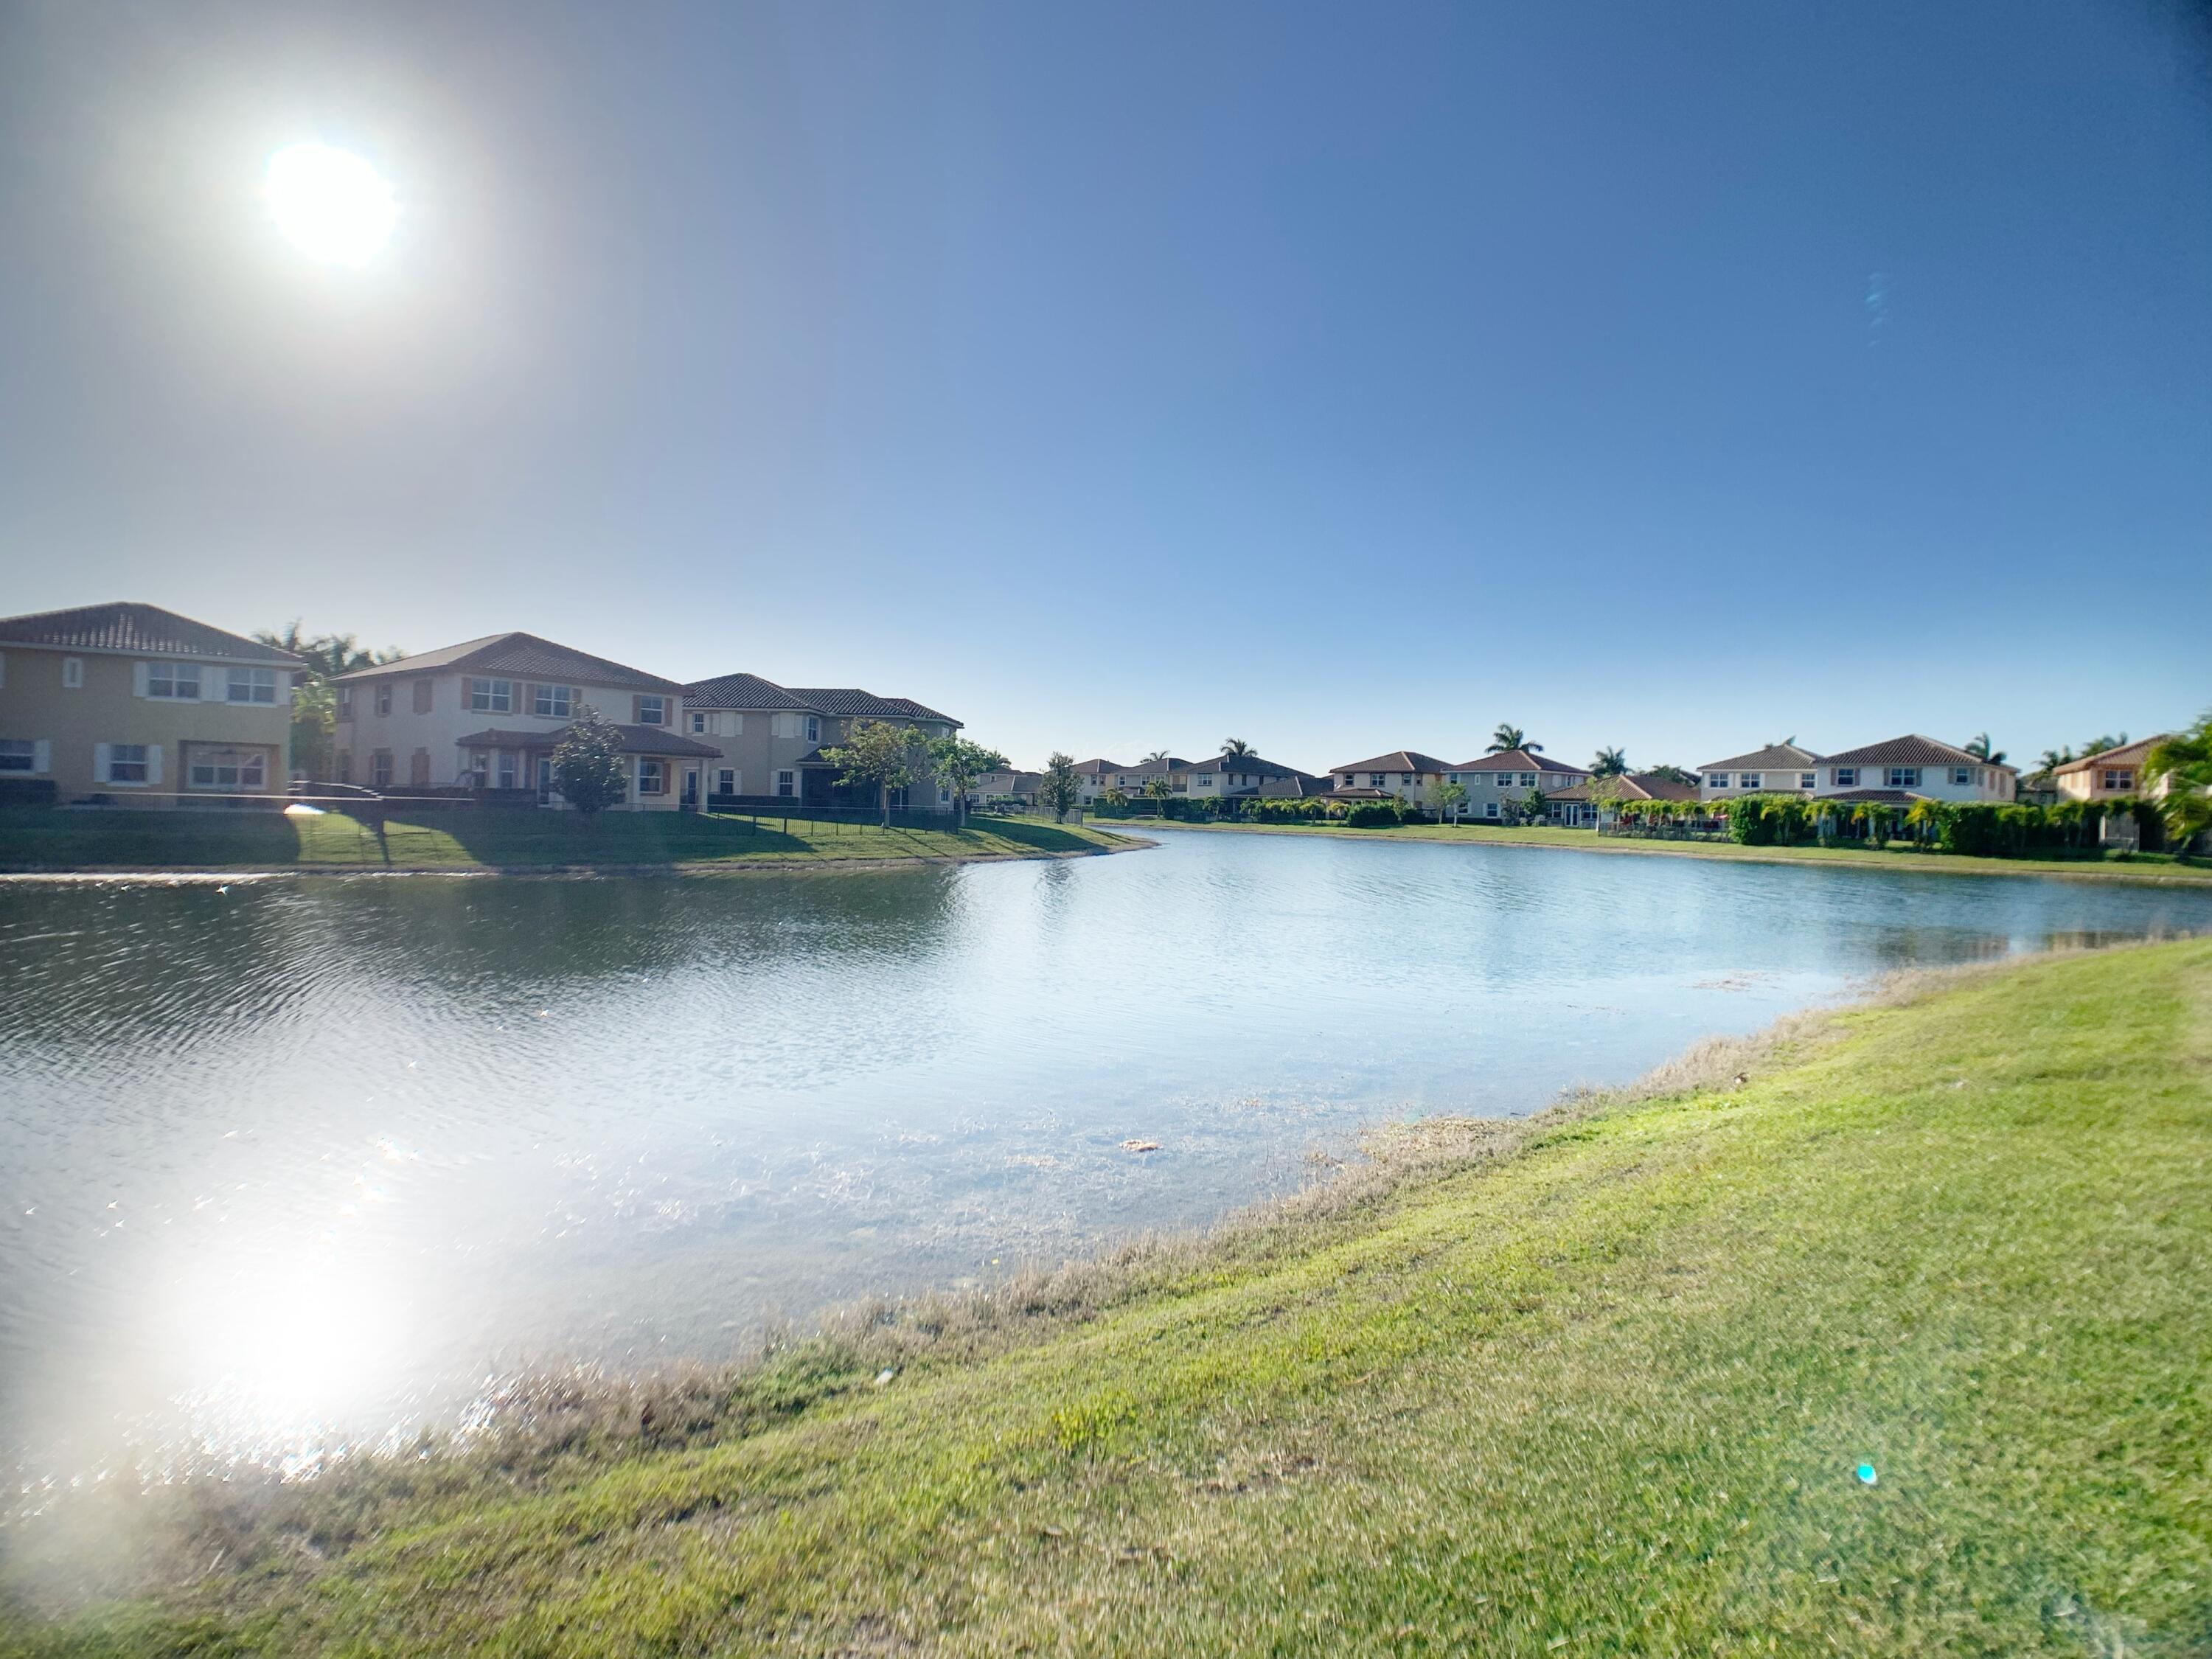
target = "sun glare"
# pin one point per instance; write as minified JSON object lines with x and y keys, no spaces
{"x":330,"y":204}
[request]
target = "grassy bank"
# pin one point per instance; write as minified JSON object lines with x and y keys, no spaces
{"x":36,"y":839}
{"x":2152,"y":867}
{"x":1603,"y":1391}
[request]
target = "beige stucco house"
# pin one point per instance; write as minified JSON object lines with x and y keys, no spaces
{"x":1779,"y":768}
{"x":2111,"y":774}
{"x":1498,"y":784}
{"x":1248,"y":777}
{"x":485,"y":715}
{"x":132,"y":705}
{"x":768,"y":741}
{"x":1408,"y":774}
{"x":1593,"y":802}
{"x":1912,"y":768}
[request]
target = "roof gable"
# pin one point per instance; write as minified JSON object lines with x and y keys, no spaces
{"x":1775,"y":757}
{"x":1521,"y":760}
{"x":852,"y":700}
{"x":748,"y":691}
{"x":1398,"y":759}
{"x":2128,"y":754}
{"x":127,"y":626}
{"x":519,"y":653}
{"x":1912,"y":749}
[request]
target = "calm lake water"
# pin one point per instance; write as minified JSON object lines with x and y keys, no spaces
{"x":283,"y":1162}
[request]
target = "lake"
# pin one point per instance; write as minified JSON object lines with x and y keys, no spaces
{"x":288,"y":1162}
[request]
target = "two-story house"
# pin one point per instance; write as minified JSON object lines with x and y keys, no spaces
{"x":486,"y":715}
{"x":1097,"y":775}
{"x":1912,"y":768}
{"x":1410,"y":776}
{"x":138,"y":706}
{"x":769,"y":741}
{"x":1780,"y":768}
{"x":1248,"y":777}
{"x":1498,"y":784}
{"x":2110,"y":774}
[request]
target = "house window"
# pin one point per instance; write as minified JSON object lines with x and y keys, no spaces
{"x":1904,"y":777}
{"x":1205,"y":780}
{"x":1749,"y":780}
{"x":1962,"y":774}
{"x":126,"y":762}
{"x":425,"y":694}
{"x":1717,"y":781}
{"x":653,"y":711}
{"x":1527,"y":779}
{"x":379,"y":770}
{"x":345,"y":703}
{"x":226,"y":769}
{"x":491,"y":696}
{"x":553,"y":702}
{"x":1375,"y":780}
{"x":259,"y":685}
{"x":652,"y":777}
{"x":73,"y":673}
{"x":479,"y":770}
{"x":725,"y":782}
{"x":698,"y":720}
{"x":177,"y":680}
{"x":1453,"y":776}
{"x":787,"y":784}
{"x":1804,"y":780}
{"x":509,"y":776}
{"x":1490,"y":809}
{"x":1847,"y":777}
{"x":18,"y":755}
{"x":2119,"y":781}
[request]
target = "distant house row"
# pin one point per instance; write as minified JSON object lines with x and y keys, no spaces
{"x":136,"y":704}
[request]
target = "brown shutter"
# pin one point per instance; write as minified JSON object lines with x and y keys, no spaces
{"x":636,"y":708}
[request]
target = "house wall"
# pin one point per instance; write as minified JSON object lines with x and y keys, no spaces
{"x":1789,"y":780}
{"x":1419,"y":788}
{"x":2091,"y":783}
{"x":759,"y":745}
{"x":1491,"y":794}
{"x":75,"y":724}
{"x":1985,"y":782}
{"x":1214,"y":783}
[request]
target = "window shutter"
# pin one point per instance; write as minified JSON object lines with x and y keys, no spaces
{"x":42,"y":757}
{"x":635,"y":700}
{"x":100,"y":759}
{"x":139,"y":671}
{"x":153,"y":763}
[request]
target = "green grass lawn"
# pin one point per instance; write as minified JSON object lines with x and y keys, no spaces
{"x":1605,"y":1394}
{"x":509,"y":839}
{"x":2153,"y":867}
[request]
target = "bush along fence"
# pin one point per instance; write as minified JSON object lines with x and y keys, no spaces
{"x":2074,"y":829}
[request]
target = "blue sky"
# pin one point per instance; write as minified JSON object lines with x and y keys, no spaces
{"x":1341,"y":378}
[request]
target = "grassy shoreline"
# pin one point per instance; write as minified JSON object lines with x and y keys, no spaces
{"x":49,"y":842}
{"x":1597,"y":1382}
{"x":2151,"y":869}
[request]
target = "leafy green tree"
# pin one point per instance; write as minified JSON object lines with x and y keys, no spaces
{"x":1234,"y":746}
{"x":1609,"y":763}
{"x":587,"y":764}
{"x":2185,"y":763}
{"x":957,"y":764}
{"x":1156,"y":791}
{"x":882,"y":756}
{"x":1451,"y":799}
{"x":1061,"y":786}
{"x":1112,"y":798}
{"x":314,"y":702}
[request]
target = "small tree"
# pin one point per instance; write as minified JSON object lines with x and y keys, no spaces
{"x":1060,"y":787}
{"x":587,"y":764}
{"x":1157,"y":790}
{"x":881,"y":755}
{"x":957,"y":764}
{"x":1451,"y":799}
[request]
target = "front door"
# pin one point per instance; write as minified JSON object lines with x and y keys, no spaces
{"x":690,"y":786}
{"x":545,"y":780}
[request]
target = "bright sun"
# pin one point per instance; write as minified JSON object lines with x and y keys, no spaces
{"x":332,"y":204}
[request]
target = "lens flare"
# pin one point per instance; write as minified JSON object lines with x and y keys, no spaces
{"x":332,"y":205}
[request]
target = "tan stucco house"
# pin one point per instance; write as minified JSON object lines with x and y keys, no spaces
{"x":1912,"y":768}
{"x":129,"y":704}
{"x":1779,"y":768}
{"x":1407,"y":774}
{"x":485,"y":715}
{"x":1248,"y":777}
{"x":1498,"y":784}
{"x":2110,"y":774}
{"x":1593,"y":802}
{"x":768,"y":741}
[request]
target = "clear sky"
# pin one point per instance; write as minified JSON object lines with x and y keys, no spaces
{"x":1338,"y":377}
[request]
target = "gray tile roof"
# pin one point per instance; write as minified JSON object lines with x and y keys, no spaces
{"x":521,"y":655}
{"x":1246,"y":766}
{"x":1775,"y":757}
{"x":851,"y":700}
{"x":742,"y":691}
{"x":143,"y":629}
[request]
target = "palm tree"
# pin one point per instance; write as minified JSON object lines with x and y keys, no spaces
{"x":1159,"y":788}
{"x":1609,"y":763}
{"x":2099,"y":745}
{"x":1158,"y":758}
{"x":2054,"y":759}
{"x":1980,"y":750}
{"x":2185,"y":762}
{"x":1235,"y":746}
{"x":1508,"y":736}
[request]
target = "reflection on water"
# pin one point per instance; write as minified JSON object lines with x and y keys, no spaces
{"x":286,"y":1162}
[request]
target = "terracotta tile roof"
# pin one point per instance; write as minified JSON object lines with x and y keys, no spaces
{"x":636,"y":740}
{"x":1775,"y":757}
{"x":143,"y":629}
{"x":2128,"y":754}
{"x":1520,"y":760}
{"x":1912,"y":749}
{"x":1398,"y":759}
{"x":521,"y":655}
{"x":1634,"y":786}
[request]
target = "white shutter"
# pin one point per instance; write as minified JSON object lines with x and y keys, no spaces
{"x":138,"y":678}
{"x":737,"y":726}
{"x":152,"y":764}
{"x":100,"y":759}
{"x":42,"y":757}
